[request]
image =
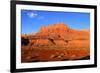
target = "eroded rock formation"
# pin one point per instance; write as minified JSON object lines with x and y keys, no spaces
{"x":56,"y":42}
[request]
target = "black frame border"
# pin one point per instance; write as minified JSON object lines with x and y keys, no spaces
{"x":13,"y":36}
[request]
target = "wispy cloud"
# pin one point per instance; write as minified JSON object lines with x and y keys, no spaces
{"x":32,"y":14}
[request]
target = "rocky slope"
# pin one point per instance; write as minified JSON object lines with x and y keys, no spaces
{"x":55,"y":43}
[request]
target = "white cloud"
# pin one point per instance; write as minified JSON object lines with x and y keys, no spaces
{"x":32,"y":14}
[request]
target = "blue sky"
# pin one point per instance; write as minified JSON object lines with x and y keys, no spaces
{"x":33,"y":20}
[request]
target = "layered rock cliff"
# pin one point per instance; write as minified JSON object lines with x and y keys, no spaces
{"x":57,"y":38}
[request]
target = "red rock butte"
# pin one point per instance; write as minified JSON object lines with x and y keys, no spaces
{"x":55,"y":43}
{"x":60,"y":26}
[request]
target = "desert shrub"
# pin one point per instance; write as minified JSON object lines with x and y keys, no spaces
{"x":24,"y":41}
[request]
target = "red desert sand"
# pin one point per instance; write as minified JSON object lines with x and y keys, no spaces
{"x":56,"y":42}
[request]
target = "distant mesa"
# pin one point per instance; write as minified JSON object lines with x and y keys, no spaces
{"x":57,"y":34}
{"x":61,"y":30}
